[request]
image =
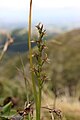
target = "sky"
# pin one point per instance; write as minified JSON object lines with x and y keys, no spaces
{"x":48,"y":11}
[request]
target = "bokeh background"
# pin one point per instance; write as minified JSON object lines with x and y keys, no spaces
{"x":61,"y":19}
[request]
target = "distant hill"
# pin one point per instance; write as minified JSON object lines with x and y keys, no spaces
{"x":20,"y":37}
{"x":63,"y":69}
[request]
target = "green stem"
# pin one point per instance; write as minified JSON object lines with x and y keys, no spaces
{"x":31,"y":63}
{"x":39,"y":94}
{"x":39,"y":103}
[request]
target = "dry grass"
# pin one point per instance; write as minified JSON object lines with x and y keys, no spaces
{"x":70,"y":108}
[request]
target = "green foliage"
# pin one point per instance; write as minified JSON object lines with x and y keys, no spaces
{"x":66,"y":56}
{"x":64,"y":72}
{"x":40,"y":76}
{"x":6,"y":112}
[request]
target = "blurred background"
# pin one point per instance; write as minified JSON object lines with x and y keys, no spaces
{"x":61,"y":19}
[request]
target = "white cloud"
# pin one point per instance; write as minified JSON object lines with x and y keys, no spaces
{"x":19,"y":9}
{"x":13,"y":4}
{"x":56,"y":3}
{"x":38,"y":4}
{"x":44,"y":4}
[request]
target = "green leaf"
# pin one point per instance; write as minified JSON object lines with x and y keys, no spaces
{"x":7,"y":115}
{"x":6,"y":108}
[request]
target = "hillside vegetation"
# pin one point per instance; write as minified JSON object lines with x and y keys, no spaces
{"x":65,"y":61}
{"x":20,"y":37}
{"x":63,"y":69}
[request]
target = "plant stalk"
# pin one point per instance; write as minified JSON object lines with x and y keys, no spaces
{"x":31,"y":62}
